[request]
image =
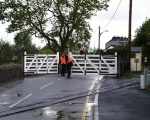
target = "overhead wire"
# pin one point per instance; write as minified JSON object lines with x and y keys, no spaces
{"x":114,"y":14}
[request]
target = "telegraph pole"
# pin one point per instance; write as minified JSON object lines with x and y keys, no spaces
{"x":130,"y":30}
{"x":99,"y":35}
{"x":99,"y":43}
{"x":99,"y":51}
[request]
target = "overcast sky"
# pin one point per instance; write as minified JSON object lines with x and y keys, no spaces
{"x":117,"y":27}
{"x":119,"y":24}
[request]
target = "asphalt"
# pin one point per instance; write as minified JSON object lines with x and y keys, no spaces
{"x":46,"y":97}
{"x":122,"y":99}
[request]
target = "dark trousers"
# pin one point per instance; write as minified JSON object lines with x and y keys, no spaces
{"x":63,"y":69}
{"x":69,"y":70}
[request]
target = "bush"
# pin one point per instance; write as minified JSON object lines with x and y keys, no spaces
{"x":10,"y":72}
{"x":6,"y":52}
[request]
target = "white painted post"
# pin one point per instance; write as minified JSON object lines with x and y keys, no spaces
{"x":47,"y":64}
{"x":24,"y":66}
{"x":142,"y":82}
{"x":116,"y":71}
{"x":100,"y":59}
{"x":36,"y":59}
{"x":57,"y":61}
{"x":85,"y":57}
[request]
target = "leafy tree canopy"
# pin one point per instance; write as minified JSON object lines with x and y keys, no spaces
{"x":6,"y":52}
{"x":23,"y":42}
{"x":142,"y":37}
{"x":46,"y":50}
{"x":62,"y":23}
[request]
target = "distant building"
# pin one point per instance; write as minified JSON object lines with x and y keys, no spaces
{"x":116,"y":42}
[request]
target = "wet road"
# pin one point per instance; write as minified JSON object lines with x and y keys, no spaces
{"x":44,"y":91}
{"x":123,"y":99}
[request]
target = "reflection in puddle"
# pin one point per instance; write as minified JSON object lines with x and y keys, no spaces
{"x":49,"y":113}
{"x":70,"y":110}
{"x":60,"y":115}
{"x":46,"y":113}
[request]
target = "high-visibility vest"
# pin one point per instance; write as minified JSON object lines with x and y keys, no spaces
{"x":70,"y":60}
{"x":63,"y":59}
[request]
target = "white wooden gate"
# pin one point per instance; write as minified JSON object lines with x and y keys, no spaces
{"x":95,"y":64}
{"x":42,"y":64}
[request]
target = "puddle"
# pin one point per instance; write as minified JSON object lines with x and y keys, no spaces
{"x":46,"y":113}
{"x":50,"y":114}
{"x":60,"y":115}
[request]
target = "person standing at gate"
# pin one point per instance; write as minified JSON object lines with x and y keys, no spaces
{"x":69,"y":64}
{"x":63,"y":62}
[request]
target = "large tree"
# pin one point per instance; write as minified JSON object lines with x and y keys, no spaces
{"x":23,"y":42}
{"x":6,"y":52}
{"x":62,"y":23}
{"x":142,"y":37}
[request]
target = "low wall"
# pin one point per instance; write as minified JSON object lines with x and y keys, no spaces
{"x":10,"y":72}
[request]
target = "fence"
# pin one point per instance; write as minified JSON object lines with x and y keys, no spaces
{"x":88,"y":63}
{"x":41,"y":64}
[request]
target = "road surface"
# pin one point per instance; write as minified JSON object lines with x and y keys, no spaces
{"x":46,"y":97}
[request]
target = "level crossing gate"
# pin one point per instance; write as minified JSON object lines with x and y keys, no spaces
{"x":87,"y":63}
{"x":41,"y":63}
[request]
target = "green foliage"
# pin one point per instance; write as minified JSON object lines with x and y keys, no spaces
{"x":14,"y":53}
{"x":6,"y":52}
{"x":23,"y":40}
{"x":63,"y":23}
{"x":46,"y":50}
{"x":23,"y":43}
{"x":10,"y":71}
{"x":142,"y":37}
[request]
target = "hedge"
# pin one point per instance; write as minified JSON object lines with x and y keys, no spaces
{"x":10,"y":72}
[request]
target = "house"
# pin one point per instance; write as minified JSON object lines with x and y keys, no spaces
{"x":116,"y":42}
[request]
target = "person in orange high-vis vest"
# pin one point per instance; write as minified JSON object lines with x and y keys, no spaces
{"x":63,"y":62}
{"x":69,"y":64}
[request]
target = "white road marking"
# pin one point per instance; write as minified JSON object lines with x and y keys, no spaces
{"x":21,"y":100}
{"x":94,"y":83}
{"x":4,"y":103}
{"x":4,"y":95}
{"x":89,"y":104}
{"x":96,"y":111}
{"x":46,"y":85}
